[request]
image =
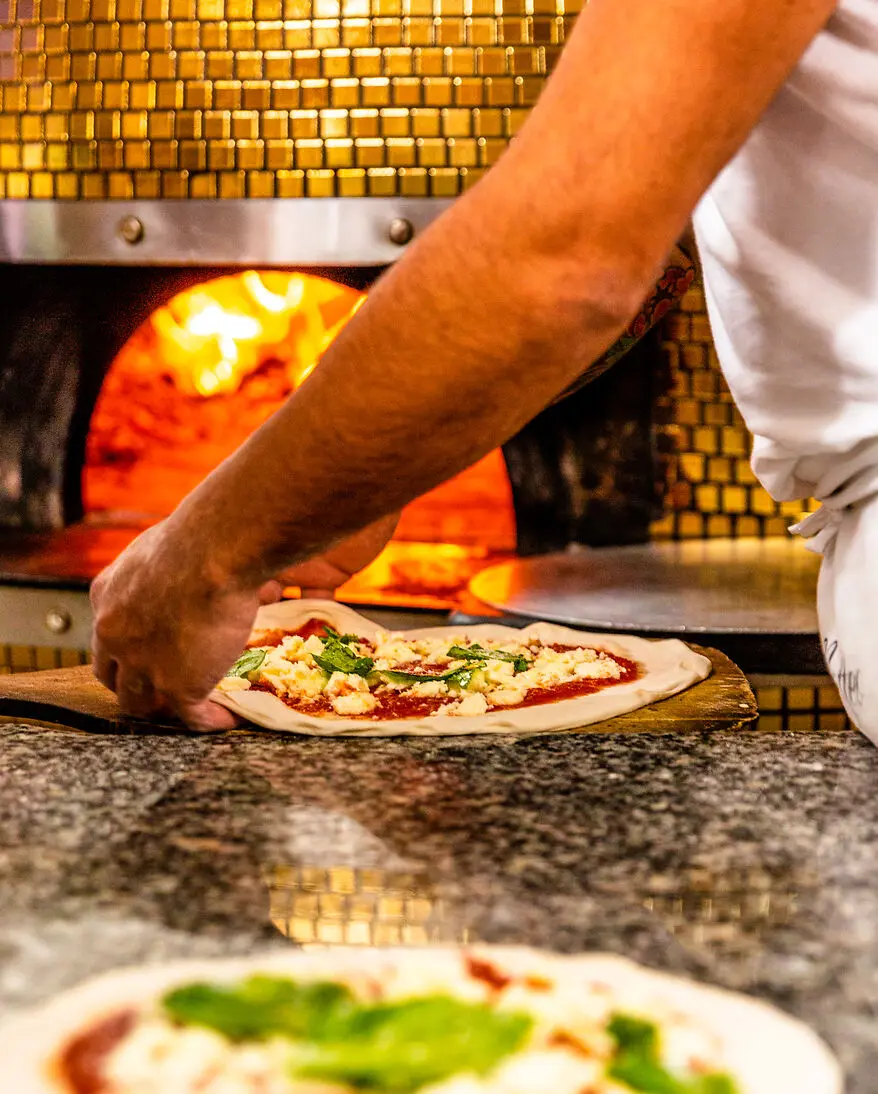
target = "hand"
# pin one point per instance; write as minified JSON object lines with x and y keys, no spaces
{"x":166,"y":629}
{"x":321,"y":576}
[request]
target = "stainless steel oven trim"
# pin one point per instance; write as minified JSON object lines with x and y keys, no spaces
{"x":274,"y":232}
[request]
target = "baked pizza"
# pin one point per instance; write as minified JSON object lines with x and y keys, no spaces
{"x":319,"y":667}
{"x":405,"y":1021}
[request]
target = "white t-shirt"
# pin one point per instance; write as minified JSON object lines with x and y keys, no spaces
{"x":788,"y":236}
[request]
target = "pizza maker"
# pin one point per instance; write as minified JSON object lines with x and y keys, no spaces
{"x":754,"y":599}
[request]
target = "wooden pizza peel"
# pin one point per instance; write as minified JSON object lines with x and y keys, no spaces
{"x":72,"y":697}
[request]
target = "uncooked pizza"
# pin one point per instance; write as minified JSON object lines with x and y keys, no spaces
{"x":405,"y":1021}
{"x":321,"y":668}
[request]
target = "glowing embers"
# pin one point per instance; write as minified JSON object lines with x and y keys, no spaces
{"x":208,"y":369}
{"x":211,"y":337}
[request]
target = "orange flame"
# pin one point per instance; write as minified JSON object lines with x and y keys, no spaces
{"x":210,"y":338}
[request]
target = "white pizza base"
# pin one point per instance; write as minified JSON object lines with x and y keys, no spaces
{"x":766,"y":1051}
{"x":667,"y":667}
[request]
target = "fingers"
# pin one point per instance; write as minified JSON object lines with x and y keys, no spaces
{"x":271,"y":592}
{"x":318,"y":594}
{"x":104,"y":667}
{"x":207,"y":717}
{"x":137,"y":696}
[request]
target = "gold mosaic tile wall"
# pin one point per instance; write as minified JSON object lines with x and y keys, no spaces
{"x":265,"y":98}
{"x":713,"y":491}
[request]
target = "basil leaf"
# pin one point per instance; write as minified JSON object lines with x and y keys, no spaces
{"x":249,"y":661}
{"x":399,"y":1047}
{"x":336,"y":657}
{"x":479,"y":653}
{"x":346,"y":638}
{"x":460,"y":677}
{"x":393,"y":1047}
{"x":637,"y":1063}
{"x":259,"y":1008}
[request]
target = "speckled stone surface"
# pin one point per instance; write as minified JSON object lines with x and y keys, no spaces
{"x":745,"y":860}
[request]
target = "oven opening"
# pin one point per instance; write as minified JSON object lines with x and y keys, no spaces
{"x":207,"y":368}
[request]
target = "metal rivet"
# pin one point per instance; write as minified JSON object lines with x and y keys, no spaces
{"x":58,"y":620}
{"x":401,"y":231}
{"x":131,"y":229}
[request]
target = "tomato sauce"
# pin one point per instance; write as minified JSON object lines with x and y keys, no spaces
{"x":392,"y":704}
{"x":81,"y":1063}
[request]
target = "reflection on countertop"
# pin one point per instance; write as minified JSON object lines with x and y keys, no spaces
{"x":745,"y":859}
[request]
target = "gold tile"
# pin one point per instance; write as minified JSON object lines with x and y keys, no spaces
{"x":290,"y":184}
{"x":42,"y":185}
{"x":161,"y":125}
{"x":188,"y":125}
{"x":164,"y":154}
{"x":309,"y":154}
{"x":304,"y":124}
{"x":175,"y":185}
{"x":356,"y":33}
{"x":345,"y":93}
{"x":420,"y":32}
{"x":499,"y":91}
{"x":260,"y":184}
{"x":220,"y":65}
{"x":481,"y":32}
{"x":437,"y":91}
{"x":490,"y":150}
{"x":245,"y":124}
{"x":319,"y":184}
{"x":457,"y":123}
{"x":31,"y":127}
{"x":10,"y":157}
{"x":387,"y":32}
{"x":220,"y":155}
{"x":274,"y":124}
{"x":375,"y":91}
{"x":401,"y":152}
{"x":429,"y":62}
{"x":278,"y":64}
{"x":444,"y":182}
{"x":369,"y":152}
{"x":285,"y":95}
{"x":214,"y":36}
{"x":249,"y":155}
{"x":396,"y":122}
{"x":364,"y":123}
{"x":431,"y":152}
{"x":270,"y":39}
{"x":339,"y":153}
{"x":110,"y":155}
{"x":206,"y":10}
{"x":147,"y":184}
{"x":232,"y":184}
{"x":468,"y":91}
{"x":227,"y":95}
{"x":94,"y":187}
{"x":337,"y":63}
{"x":297,"y":35}
{"x":10,"y":123}
{"x":268,"y":9}
{"x":333,"y":124}
{"x":460,"y":62}
{"x":326,"y":34}
{"x":450,"y":32}
{"x":84,"y":155}
{"x":315,"y":94}
{"x":248,"y":65}
{"x":351,"y":183}
{"x":279,"y":154}
{"x":426,"y":122}
{"x":136,"y":155}
{"x":462,"y":152}
{"x":382,"y":182}
{"x":82,"y":126}
{"x":367,"y":62}
{"x":134,"y":125}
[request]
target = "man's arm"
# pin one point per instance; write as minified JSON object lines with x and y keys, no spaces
{"x":503,"y":301}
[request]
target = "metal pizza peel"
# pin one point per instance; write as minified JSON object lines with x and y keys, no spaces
{"x":755,"y":599}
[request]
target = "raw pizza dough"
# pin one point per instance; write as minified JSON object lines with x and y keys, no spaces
{"x":763,"y":1050}
{"x":667,"y":668}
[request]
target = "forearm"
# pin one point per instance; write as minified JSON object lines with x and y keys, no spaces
{"x":456,"y":349}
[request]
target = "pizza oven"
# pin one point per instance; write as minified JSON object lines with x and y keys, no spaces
{"x":195,"y":195}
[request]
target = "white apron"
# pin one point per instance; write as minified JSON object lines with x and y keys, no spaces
{"x":788,"y":237}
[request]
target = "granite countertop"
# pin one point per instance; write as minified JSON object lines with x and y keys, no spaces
{"x":747,"y":860}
